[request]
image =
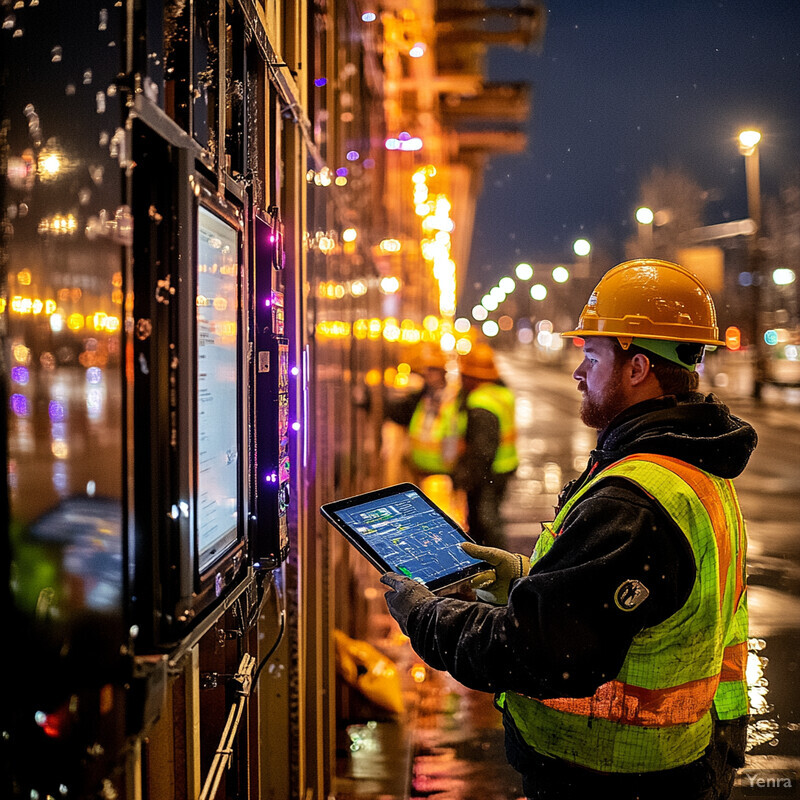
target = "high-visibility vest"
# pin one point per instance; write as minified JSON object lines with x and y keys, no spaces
{"x":656,"y":713}
{"x":499,"y":400}
{"x":435,"y":437}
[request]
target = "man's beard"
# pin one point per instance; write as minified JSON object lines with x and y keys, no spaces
{"x":597,"y":412}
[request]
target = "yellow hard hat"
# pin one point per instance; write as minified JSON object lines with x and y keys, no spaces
{"x":649,"y":299}
{"x":479,"y":363}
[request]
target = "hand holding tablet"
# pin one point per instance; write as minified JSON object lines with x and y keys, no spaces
{"x":399,"y":529}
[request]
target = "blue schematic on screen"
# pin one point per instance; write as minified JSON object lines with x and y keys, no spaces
{"x":413,"y":538}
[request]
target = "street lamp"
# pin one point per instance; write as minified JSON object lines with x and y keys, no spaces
{"x":524,"y":271}
{"x":582,"y":249}
{"x":644,"y":216}
{"x":748,"y":147}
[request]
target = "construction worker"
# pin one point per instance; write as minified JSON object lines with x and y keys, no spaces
{"x":489,"y":455}
{"x":434,"y":429}
{"x":617,"y":653}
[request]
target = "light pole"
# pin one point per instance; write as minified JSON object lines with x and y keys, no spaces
{"x":644,"y":216}
{"x":748,"y":147}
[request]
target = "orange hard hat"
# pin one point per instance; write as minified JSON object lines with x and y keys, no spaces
{"x":649,"y":299}
{"x":479,"y":363}
{"x":431,"y":357}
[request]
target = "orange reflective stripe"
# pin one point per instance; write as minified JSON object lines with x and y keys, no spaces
{"x":423,"y":444}
{"x":634,"y":705}
{"x":734,"y":661}
{"x":710,"y":498}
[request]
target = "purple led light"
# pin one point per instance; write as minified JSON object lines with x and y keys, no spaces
{"x":56,"y":411}
{"x":404,"y":141}
{"x":20,"y":374}
{"x":341,"y":172}
{"x":19,"y":405}
{"x":320,"y":82}
{"x":352,"y":155}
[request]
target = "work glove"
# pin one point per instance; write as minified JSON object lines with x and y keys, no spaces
{"x":507,"y":567}
{"x":404,"y":596}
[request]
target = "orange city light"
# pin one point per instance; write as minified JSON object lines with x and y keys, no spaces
{"x":733,"y":338}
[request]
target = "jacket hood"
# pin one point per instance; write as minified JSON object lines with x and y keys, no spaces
{"x":695,"y":428}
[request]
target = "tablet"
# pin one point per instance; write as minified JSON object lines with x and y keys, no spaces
{"x":399,"y":529}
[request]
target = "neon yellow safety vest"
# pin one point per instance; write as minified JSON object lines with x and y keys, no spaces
{"x":500,"y":401}
{"x":656,"y":713}
{"x":435,"y":437}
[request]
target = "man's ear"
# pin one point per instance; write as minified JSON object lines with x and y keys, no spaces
{"x":640,"y":369}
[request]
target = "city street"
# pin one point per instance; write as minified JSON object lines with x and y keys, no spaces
{"x":554,"y":446}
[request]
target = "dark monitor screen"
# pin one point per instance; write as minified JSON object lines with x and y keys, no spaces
{"x":217,"y":490}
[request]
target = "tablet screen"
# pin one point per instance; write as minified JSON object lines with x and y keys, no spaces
{"x":400,"y":530}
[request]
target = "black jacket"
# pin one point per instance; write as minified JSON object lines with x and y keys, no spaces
{"x":561,"y":634}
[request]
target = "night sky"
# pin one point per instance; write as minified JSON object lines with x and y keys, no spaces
{"x":620,"y":87}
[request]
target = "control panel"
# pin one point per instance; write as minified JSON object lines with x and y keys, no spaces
{"x":270,"y":477}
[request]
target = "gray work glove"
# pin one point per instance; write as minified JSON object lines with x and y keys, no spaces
{"x":507,"y":567}
{"x":405,"y":595}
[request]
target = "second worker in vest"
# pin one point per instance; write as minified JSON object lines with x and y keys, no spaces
{"x":617,"y":655}
{"x":434,"y":427}
{"x":488,"y":457}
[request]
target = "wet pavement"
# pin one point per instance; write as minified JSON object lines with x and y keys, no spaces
{"x":449,"y":743}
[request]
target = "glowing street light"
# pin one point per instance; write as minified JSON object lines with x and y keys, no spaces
{"x":581,"y":247}
{"x":490,"y":328}
{"x":524,"y":271}
{"x":507,"y":284}
{"x":560,"y":274}
{"x":538,"y":291}
{"x":498,"y":294}
{"x":748,"y":141}
{"x":783,"y":276}
{"x":645,"y":217}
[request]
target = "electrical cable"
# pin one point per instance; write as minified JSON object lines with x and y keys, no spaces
{"x":281,"y":631}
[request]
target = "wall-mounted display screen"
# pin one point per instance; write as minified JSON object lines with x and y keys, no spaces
{"x":217,"y":490}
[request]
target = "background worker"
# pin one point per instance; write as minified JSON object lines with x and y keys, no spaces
{"x":434,"y":428}
{"x":488,"y":457}
{"x":434,"y":431}
{"x":618,"y":656}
